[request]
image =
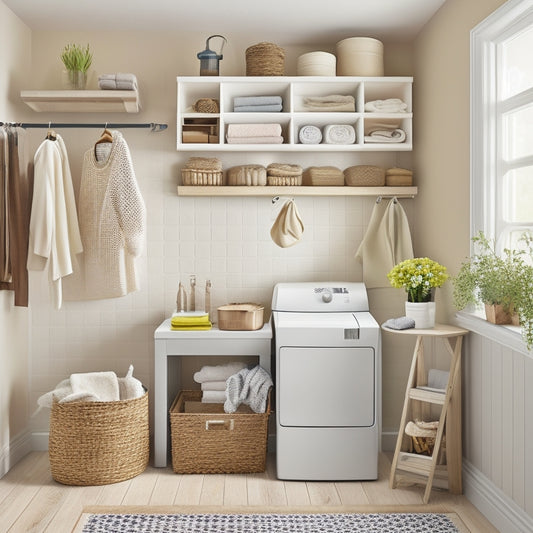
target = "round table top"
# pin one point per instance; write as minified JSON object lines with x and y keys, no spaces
{"x":440,"y":330}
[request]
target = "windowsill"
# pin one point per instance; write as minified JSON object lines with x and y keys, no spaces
{"x":506,"y":335}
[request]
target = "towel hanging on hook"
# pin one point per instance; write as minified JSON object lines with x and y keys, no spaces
{"x":288,"y":227}
{"x":379,"y":198}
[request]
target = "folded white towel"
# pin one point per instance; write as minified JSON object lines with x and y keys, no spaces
{"x":217,"y":372}
{"x":254,"y":130}
{"x":103,"y":385}
{"x":62,"y":390}
{"x":390,"y":105}
{"x":386,"y":136}
{"x":249,"y":387}
{"x":310,"y":135}
{"x":214,"y":396}
{"x":119,"y":81}
{"x":213,"y":385}
{"x":130,"y":387}
{"x":255,"y":140}
{"x":339,"y":134}
{"x":272,"y":108}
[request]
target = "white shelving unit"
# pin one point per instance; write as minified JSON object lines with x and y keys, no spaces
{"x":95,"y":101}
{"x":293,"y":115}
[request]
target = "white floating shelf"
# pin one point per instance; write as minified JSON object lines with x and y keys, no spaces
{"x":97,"y":101}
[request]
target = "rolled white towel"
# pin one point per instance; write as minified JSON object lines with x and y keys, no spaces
{"x":339,"y":134}
{"x":254,"y":130}
{"x":310,"y":134}
{"x":217,"y":372}
{"x":390,"y":105}
{"x":213,"y":385}
{"x":386,"y":136}
{"x":214,"y":396}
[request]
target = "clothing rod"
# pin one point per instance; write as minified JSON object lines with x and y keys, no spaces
{"x":154,"y":127}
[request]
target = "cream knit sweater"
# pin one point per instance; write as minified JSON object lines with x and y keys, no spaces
{"x":112,"y":220}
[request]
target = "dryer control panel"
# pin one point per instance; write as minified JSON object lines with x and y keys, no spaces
{"x":323,"y":297}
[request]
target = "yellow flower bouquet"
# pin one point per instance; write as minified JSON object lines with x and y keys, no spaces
{"x":418,"y":277}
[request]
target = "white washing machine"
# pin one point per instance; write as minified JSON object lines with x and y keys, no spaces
{"x":328,"y":381}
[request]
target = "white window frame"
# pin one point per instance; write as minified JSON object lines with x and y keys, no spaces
{"x":511,"y":17}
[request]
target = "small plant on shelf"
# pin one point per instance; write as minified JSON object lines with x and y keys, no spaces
{"x":77,"y":61}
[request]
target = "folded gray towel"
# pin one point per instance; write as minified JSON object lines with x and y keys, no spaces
{"x":402,"y":322}
{"x":256,"y":100}
{"x":269,"y":108}
{"x":249,"y":387}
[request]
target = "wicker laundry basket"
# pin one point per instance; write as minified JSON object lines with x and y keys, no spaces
{"x":364,"y":176}
{"x":95,"y":443}
{"x":206,"y":440}
{"x":265,"y":59}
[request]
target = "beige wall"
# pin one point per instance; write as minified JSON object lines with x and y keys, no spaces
{"x":15,"y":40}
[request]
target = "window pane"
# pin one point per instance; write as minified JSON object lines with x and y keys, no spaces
{"x":517,"y":64}
{"x":518,"y":133}
{"x":518,"y":195}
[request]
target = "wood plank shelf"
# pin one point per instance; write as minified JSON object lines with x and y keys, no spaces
{"x":93,"y":101}
{"x":227,"y":190}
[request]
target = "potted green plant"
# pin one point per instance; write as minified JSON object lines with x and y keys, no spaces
{"x":419,"y":277}
{"x":503,"y":284}
{"x":77,"y":61}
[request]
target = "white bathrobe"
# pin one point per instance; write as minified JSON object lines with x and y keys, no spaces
{"x":54,"y":233}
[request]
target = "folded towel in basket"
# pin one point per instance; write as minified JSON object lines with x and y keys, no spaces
{"x":217,"y":372}
{"x":310,"y":134}
{"x":339,"y":134}
{"x":102,"y":385}
{"x":214,"y":396}
{"x":213,"y":385}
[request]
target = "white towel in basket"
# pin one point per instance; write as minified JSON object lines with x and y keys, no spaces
{"x":217,"y":372}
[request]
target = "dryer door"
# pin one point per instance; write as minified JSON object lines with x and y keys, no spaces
{"x":326,"y":386}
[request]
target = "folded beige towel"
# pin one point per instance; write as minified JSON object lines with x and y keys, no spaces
{"x":288,"y":227}
{"x":254,"y":130}
{"x":331,"y":103}
{"x":390,"y":105}
{"x":255,"y":140}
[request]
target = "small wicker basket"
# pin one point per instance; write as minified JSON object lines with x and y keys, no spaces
{"x":95,"y":443}
{"x":265,"y":59}
{"x":207,"y":440}
{"x":192,"y":176}
{"x":364,"y":176}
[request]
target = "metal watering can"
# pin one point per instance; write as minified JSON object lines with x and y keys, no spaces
{"x":209,"y":59}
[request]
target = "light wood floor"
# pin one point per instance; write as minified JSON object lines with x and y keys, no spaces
{"x":31,"y":501}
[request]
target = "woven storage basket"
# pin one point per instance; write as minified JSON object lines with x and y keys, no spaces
{"x":192,"y":176}
{"x":265,"y":59}
{"x":281,"y":181}
{"x":214,"y":442}
{"x":95,"y":443}
{"x":364,"y":176}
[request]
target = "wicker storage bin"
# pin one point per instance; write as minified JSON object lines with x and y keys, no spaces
{"x":240,"y":317}
{"x":201,"y":177}
{"x":207,"y":440}
{"x":95,"y":443}
{"x":250,"y":175}
{"x":265,"y":59}
{"x":364,"y":176}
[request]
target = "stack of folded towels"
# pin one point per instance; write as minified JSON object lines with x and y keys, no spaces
{"x":118,"y":82}
{"x":390,"y":105}
{"x":94,"y":387}
{"x":385,"y":132}
{"x":190,"y":321}
{"x":212,"y":381}
{"x":257,"y":104}
{"x":254,"y":134}
{"x":332,"y":103}
{"x":284,"y":174}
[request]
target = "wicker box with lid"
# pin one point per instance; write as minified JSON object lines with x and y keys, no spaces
{"x":206,"y":440}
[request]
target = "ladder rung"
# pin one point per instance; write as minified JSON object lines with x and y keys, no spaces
{"x":420,"y":464}
{"x":410,"y":477}
{"x":427,"y":396}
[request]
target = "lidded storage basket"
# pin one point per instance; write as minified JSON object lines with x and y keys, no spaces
{"x":359,"y":56}
{"x":95,"y":443}
{"x":206,"y":440}
{"x":265,"y":59}
{"x":364,"y":176}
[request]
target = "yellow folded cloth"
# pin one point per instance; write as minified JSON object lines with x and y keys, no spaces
{"x":193,"y":317}
{"x":191,"y":328}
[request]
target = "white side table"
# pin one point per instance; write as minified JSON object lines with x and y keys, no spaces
{"x":214,"y":342}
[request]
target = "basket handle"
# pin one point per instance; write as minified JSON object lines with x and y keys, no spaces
{"x":220,"y":424}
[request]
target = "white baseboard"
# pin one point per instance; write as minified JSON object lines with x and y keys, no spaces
{"x":388,"y":440}
{"x":499,"y":509}
{"x":39,"y":441}
{"x":12,"y":453}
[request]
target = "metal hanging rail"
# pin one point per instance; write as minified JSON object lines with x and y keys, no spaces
{"x":154,"y":127}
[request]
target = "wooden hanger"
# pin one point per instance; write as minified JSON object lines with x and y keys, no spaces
{"x":106,"y":137}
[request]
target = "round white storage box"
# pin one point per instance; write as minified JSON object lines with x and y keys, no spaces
{"x":360,"y":56}
{"x":316,"y":64}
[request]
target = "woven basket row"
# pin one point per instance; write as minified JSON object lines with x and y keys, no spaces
{"x":201,"y":177}
{"x":265,"y":59}
{"x":96,"y":443}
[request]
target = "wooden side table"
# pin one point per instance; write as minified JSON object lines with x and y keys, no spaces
{"x":423,"y":468}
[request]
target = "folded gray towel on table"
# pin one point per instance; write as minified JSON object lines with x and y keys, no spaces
{"x":402,"y":322}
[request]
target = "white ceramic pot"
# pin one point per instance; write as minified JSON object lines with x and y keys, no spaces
{"x":422,"y":313}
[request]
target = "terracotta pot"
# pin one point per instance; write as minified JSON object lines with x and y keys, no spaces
{"x":496,"y":314}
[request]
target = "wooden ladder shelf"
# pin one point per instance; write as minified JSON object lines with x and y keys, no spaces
{"x":424,"y":469}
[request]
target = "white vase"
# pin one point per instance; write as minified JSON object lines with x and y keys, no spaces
{"x":423,"y":313}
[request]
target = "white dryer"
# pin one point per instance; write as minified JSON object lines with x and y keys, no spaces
{"x":328,"y":381}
